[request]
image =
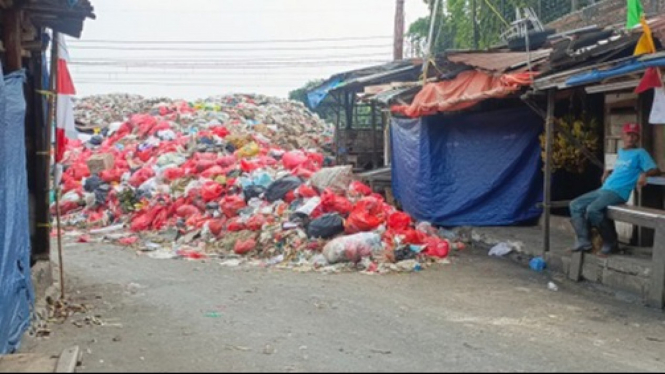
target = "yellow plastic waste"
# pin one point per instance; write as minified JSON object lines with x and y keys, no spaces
{"x":249,"y":150}
{"x":221,"y":179}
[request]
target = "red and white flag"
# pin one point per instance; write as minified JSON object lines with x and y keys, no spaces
{"x":65,"y":127}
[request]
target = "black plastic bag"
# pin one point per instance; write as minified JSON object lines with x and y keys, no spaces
{"x":326,"y":226}
{"x":279,"y":188}
{"x":253,"y":191}
{"x":92,"y":183}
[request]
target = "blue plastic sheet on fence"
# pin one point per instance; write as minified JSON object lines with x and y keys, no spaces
{"x":478,"y":169}
{"x":16,"y":293}
{"x":632,"y":66}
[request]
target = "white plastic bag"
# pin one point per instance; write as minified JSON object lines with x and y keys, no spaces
{"x":500,"y":249}
{"x":336,"y":178}
{"x":352,"y":248}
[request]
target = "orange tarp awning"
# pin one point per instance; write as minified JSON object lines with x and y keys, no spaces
{"x":464,"y":91}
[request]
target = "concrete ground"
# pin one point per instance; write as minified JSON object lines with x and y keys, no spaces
{"x":477,"y":313}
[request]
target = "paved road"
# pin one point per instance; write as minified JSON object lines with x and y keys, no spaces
{"x":475,"y":314}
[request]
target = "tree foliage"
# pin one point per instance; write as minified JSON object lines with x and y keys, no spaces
{"x":300,"y":94}
{"x":454,"y":23}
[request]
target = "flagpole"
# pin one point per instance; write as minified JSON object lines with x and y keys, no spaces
{"x":53,"y":109}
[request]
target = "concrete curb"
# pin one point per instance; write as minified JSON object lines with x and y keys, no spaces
{"x":69,"y":359}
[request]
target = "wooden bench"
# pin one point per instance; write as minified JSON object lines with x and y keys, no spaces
{"x":643,"y":217}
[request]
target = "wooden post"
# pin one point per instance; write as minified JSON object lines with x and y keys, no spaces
{"x":375,"y":145}
{"x":338,"y":119}
{"x":549,"y":132}
{"x":12,"y":39}
{"x":38,"y":139}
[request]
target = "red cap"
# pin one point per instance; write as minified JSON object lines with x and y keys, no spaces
{"x":631,"y":127}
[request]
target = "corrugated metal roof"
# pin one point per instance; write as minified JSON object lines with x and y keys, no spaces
{"x":498,"y":61}
{"x":60,"y":15}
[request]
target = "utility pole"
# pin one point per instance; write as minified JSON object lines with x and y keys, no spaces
{"x":574,"y":5}
{"x":398,"y":53}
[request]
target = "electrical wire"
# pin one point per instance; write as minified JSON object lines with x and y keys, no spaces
{"x":273,"y":41}
{"x":182,"y":49}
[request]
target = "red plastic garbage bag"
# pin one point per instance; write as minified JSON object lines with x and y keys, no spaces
{"x":78,"y":171}
{"x":145,"y":155}
{"x":248,"y":166}
{"x":196,"y":220}
{"x":399,"y":221}
{"x":211,"y":191}
{"x":187,"y":211}
{"x":159,"y":127}
{"x":130,"y":240}
{"x":290,"y":197}
{"x":145,"y":123}
{"x":335,"y":203}
{"x":231,"y":204}
{"x":110,"y":176}
{"x":305,"y":191}
{"x":409,"y":236}
{"x":367,"y":215}
{"x":316,"y":158}
{"x":244,"y":247}
{"x":68,"y":206}
{"x":436,"y":247}
{"x":220,"y":131}
{"x":359,"y":189}
{"x":141,"y":222}
{"x":303,"y":172}
{"x":361,"y":220}
{"x":160,"y":217}
{"x":256,"y":223}
{"x":293,"y":159}
{"x":85,"y":238}
{"x":141,"y":176}
{"x":70,"y":184}
{"x":235,"y":224}
{"x":226,"y":161}
{"x":216,"y":226}
{"x":203,"y":165}
{"x":213,"y":172}
{"x":172,"y":174}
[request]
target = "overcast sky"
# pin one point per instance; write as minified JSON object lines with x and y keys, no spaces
{"x":257,"y":46}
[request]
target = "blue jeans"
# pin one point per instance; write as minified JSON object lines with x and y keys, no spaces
{"x":592,"y":206}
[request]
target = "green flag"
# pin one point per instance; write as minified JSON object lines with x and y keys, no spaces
{"x":635,"y":12}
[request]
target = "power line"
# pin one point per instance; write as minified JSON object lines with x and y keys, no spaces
{"x":174,"y":49}
{"x":182,"y":84}
{"x":108,"y":41}
{"x":264,"y":59}
{"x":254,"y":65}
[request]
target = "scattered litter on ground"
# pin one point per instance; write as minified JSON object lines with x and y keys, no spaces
{"x":552,"y":286}
{"x":500,"y":249}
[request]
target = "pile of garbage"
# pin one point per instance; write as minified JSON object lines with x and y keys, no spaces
{"x":243,"y":178}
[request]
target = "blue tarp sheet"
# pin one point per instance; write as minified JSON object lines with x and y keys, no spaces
{"x":476,"y":169}
{"x":316,"y":96}
{"x":16,"y":293}
{"x":619,"y":70}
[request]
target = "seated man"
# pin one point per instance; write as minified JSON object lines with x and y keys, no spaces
{"x":633,"y":166}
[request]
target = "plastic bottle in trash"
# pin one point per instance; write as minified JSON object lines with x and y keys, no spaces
{"x":537,"y":264}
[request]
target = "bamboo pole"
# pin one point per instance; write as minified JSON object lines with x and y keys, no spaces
{"x":53,"y":112}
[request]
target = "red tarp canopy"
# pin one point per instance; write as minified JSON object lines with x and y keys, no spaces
{"x":464,"y":91}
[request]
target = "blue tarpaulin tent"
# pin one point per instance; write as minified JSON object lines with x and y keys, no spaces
{"x":476,"y":169}
{"x":16,"y":293}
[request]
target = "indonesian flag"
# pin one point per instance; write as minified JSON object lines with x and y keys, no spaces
{"x":65,"y":127}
